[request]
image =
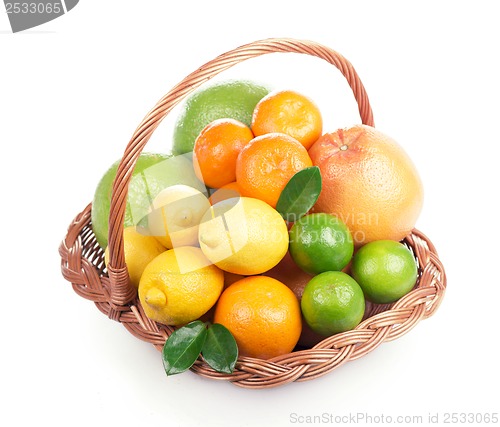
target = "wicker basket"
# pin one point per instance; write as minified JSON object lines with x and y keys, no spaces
{"x":83,"y":259}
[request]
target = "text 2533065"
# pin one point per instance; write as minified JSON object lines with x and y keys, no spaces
{"x":33,"y":8}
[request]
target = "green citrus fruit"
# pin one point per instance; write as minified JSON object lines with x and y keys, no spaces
{"x":332,"y":302}
{"x":385,"y":269}
{"x":320,"y":242}
{"x":152,"y":173}
{"x":233,"y":99}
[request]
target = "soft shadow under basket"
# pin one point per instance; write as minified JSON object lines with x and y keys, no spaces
{"x":82,"y":259}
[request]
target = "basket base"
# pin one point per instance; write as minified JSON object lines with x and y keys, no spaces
{"x":82,"y":264}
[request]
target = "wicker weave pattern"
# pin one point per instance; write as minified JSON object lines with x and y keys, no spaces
{"x":82,"y":260}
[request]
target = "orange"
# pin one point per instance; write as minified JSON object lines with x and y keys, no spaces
{"x":216,"y":149}
{"x":225,"y":192}
{"x":369,"y":182}
{"x":263,"y":315}
{"x":288,"y":112}
{"x":235,"y":99}
{"x":267,"y":163}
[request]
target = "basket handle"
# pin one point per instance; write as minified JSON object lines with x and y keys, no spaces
{"x":121,"y":292}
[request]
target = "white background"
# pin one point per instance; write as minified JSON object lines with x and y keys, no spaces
{"x":73,"y":91}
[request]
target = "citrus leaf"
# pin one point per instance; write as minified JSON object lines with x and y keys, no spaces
{"x":183,"y":347}
{"x":220,"y":350}
{"x":300,"y":194}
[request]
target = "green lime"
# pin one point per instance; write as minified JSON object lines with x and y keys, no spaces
{"x":152,"y":173}
{"x":232,"y":99}
{"x":385,"y":269}
{"x":320,"y":242}
{"x":332,"y":302}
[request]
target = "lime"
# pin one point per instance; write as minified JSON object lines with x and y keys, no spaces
{"x":320,"y":242}
{"x":231,"y":99}
{"x":332,"y":302}
{"x":152,"y":173}
{"x":385,"y":269}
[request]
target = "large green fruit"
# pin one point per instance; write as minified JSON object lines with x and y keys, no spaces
{"x":320,"y":242}
{"x":386,"y":270}
{"x":152,"y":173}
{"x":332,"y":302}
{"x":234,"y":99}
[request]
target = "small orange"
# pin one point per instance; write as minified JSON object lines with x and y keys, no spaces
{"x":216,"y":149}
{"x":227,"y":191}
{"x":288,"y":112}
{"x":266,"y":164}
{"x":263,"y":315}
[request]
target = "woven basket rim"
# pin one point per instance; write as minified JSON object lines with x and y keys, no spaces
{"x":82,"y":264}
{"x":82,"y":259}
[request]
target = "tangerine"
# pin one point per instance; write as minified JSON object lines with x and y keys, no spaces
{"x":288,"y":112}
{"x":216,"y":149}
{"x":235,"y":99}
{"x":263,"y":315}
{"x":266,"y":164}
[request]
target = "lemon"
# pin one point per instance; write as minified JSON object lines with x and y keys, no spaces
{"x":176,"y":214}
{"x":179,"y":286}
{"x":139,"y":251}
{"x":243,"y":236}
{"x":152,"y":173}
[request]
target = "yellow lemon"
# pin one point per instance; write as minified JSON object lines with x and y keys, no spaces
{"x":176,"y":214}
{"x":139,"y":251}
{"x":243,"y":236}
{"x":179,"y":286}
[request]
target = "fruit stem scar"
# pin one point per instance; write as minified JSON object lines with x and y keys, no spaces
{"x":156,"y":297}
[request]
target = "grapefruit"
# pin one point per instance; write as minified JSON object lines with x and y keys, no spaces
{"x":369,"y":182}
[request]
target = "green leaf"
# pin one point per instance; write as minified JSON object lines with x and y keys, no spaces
{"x":220,"y":350}
{"x":183,"y":347}
{"x":300,"y":194}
